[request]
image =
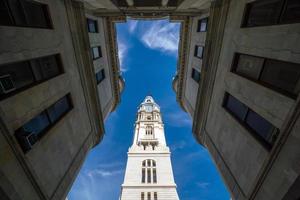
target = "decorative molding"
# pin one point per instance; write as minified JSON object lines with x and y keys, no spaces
{"x":114,"y":58}
{"x":183,"y":52}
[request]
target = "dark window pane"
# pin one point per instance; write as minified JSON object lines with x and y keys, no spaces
{"x":292,"y":12}
{"x":92,"y":26}
{"x":202,"y":25}
{"x":282,"y":75}
{"x":96,"y":51}
{"x":199,"y":51}
{"x":249,"y":66}
{"x":46,"y":67}
{"x":5,"y":17}
{"x":153,"y":163}
{"x":236,"y":107}
{"x":17,"y":12}
{"x":143,"y":175}
{"x":155,"y":195}
{"x":58,"y":109}
{"x":15,"y":76}
{"x":148,"y":163}
{"x":149,"y":196}
{"x":100,"y":76}
{"x":37,"y":124}
{"x":142,"y":196}
{"x":144,"y":163}
{"x":264,"y":12}
{"x":196,"y":75}
{"x":149,"y":176}
{"x":154,"y":176}
{"x":35,"y":14}
{"x":261,"y":126}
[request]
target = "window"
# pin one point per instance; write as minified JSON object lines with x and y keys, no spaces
{"x":25,"y":13}
{"x":196,"y":75}
{"x":148,"y":196}
{"x":100,"y":76}
{"x":199,"y":51}
{"x":149,"y":167}
{"x":259,"y":127}
{"x":36,"y":128}
{"x":155,"y":195}
{"x":202,"y":25}
{"x":92,"y":25}
{"x":143,"y":175}
{"x":271,"y":12}
{"x":96,"y":52}
{"x":154,"y":175}
{"x":15,"y":77}
{"x":281,"y":76}
{"x":142,"y":196}
{"x":149,"y":130}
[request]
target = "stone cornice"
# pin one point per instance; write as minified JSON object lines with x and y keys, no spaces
{"x":114,"y":58}
{"x":183,"y":52}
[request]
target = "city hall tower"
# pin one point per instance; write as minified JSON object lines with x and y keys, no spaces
{"x":149,"y":174}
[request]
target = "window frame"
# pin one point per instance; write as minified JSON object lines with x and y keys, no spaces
{"x":195,"y":71}
{"x":199,"y":25}
{"x":95,"y":22}
{"x":259,"y":81}
{"x":279,"y":20}
{"x":196,"y":51}
{"x":35,"y":82}
{"x":51,"y":124}
{"x":99,"y":51}
{"x":46,"y":12}
{"x":268,"y":146}
{"x":102,"y":72}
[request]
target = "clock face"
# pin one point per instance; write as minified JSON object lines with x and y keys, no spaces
{"x":148,"y":108}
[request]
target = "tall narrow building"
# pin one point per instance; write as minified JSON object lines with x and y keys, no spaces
{"x":149,"y":174}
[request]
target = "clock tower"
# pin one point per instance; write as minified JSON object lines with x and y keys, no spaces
{"x":149,"y":174}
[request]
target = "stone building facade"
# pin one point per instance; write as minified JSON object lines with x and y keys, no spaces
{"x":246,"y":106}
{"x":149,"y":174}
{"x":53,"y":100}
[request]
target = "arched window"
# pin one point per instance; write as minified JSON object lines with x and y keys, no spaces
{"x":149,"y":171}
{"x":149,"y":130}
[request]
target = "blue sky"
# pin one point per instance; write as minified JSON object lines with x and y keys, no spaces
{"x":148,"y":56}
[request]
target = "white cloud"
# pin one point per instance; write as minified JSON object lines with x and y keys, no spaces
{"x":180,"y":145}
{"x":132,"y":25}
{"x":122,"y":52}
{"x":178,"y":119}
{"x":103,"y":173}
{"x":161,"y":35}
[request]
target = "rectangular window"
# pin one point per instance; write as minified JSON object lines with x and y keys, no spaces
{"x":202,"y":25}
{"x":96,"y":52}
{"x":24,"y":13}
{"x":259,"y":127}
{"x":143,"y":175}
{"x":148,"y":175}
{"x":16,"y":77}
{"x":196,"y":75}
{"x":148,"y":196}
{"x":36,"y":128}
{"x":154,"y":176}
{"x":92,"y":25}
{"x":271,"y":12}
{"x":142,"y":196}
{"x":155,"y":195}
{"x":281,"y":76}
{"x":199,"y":51}
{"x":100,"y":76}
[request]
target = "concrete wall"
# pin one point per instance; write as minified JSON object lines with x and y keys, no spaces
{"x":191,"y":86}
{"x":53,"y":162}
{"x":242,"y":156}
{"x":105,"y":90}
